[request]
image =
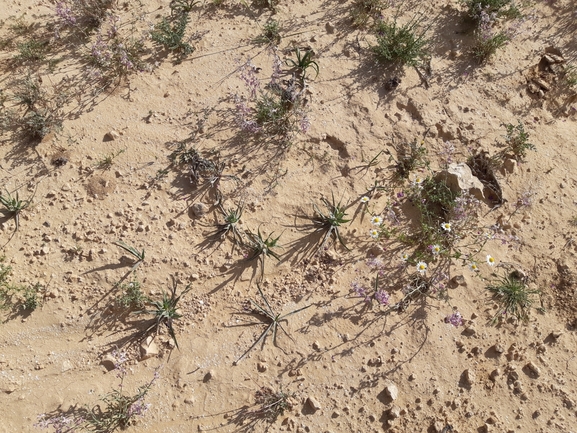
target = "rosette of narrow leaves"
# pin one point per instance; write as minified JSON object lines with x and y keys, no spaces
{"x":330,"y":220}
{"x":266,"y":315}
{"x":165,"y":312}
{"x":13,"y":206}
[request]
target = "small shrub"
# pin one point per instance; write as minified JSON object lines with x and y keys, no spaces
{"x":506,"y":8}
{"x":363,"y":11}
{"x":271,"y":4}
{"x":401,"y":44}
{"x":116,"y":53}
{"x":81,"y":15}
{"x":410,"y":157}
{"x":270,"y":33}
{"x":513,"y":297}
{"x":31,"y":50}
{"x":170,"y":31}
{"x":516,"y":141}
{"x":271,"y":404}
{"x":132,"y":297}
{"x":487,"y":44}
{"x":116,"y":410}
{"x":570,"y":76}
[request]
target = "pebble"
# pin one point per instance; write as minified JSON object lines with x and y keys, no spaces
{"x":469,"y":377}
{"x":108,"y":362}
{"x":330,"y":27}
{"x":533,"y":369}
{"x":199,"y":209}
{"x":189,"y":400}
{"x":148,"y":349}
{"x":316,"y":346}
{"x":111,"y":135}
{"x":66,"y":365}
{"x":209,"y":376}
{"x":392,"y":391}
{"x":261,"y":367}
{"x":395,"y":411}
{"x":313,"y":403}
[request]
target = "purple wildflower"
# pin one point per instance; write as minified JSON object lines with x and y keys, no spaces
{"x":454,"y":319}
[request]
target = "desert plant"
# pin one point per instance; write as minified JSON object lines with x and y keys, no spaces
{"x":105,"y":163}
{"x":278,"y":110}
{"x":132,"y":297}
{"x":570,"y":76}
{"x":115,"y":53}
{"x":13,"y":206}
{"x":303,"y":62}
{"x":165,"y":311}
{"x":401,"y":44}
{"x":487,"y":43}
{"x":270,"y":33}
{"x":31,"y":50}
{"x":363,"y":10}
{"x":81,"y":15}
{"x":410,"y":156}
{"x":506,"y":8}
{"x":230,"y":226}
{"x":513,"y":297}
{"x":271,"y":4}
{"x":329,"y":221}
{"x":271,"y":403}
{"x":260,"y":247}
{"x":170,"y":31}
{"x":267,"y":316}
{"x":516,"y":141}
{"x":42,"y":110}
{"x":115,"y":410}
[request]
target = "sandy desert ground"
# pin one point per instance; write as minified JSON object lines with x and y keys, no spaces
{"x":130,"y":160}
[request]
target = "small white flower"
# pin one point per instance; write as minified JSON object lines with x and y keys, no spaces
{"x":404,"y":257}
{"x":473,"y":267}
{"x":418,"y":181}
{"x":377,"y":220}
{"x":364,"y":199}
{"x":490,"y":260}
{"x":435,"y":249}
{"x":422,"y":267}
{"x":374,"y":233}
{"x":446,"y":227}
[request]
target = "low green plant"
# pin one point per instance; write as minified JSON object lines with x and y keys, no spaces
{"x":30,"y":297}
{"x":230,"y":225}
{"x":266,"y":315}
{"x":271,"y":4}
{"x":272,"y":404}
{"x":517,"y":141}
{"x":303,"y":62}
{"x":505,"y":8}
{"x":410,"y":157}
{"x":31,"y":50}
{"x":105,"y":163}
{"x":13,"y":206}
{"x":132,"y":297}
{"x":329,"y":222}
{"x":513,"y":296}
{"x":41,"y":112}
{"x":435,"y":202}
{"x":404,"y":44}
{"x":260,"y":247}
{"x":487,"y":44}
{"x":364,"y":10}
{"x":116,"y":410}
{"x":165,"y":312}
{"x":169,"y":33}
{"x":570,"y":76}
{"x":270,"y":33}
{"x":138,"y":255}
